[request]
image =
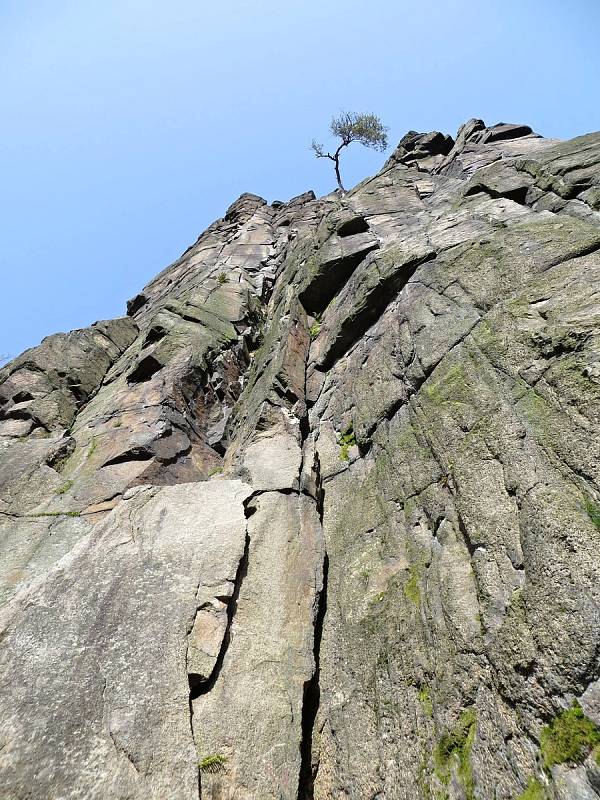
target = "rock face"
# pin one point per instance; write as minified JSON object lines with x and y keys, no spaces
{"x":320,"y":517}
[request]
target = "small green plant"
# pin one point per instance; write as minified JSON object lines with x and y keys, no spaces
{"x":215,"y":471}
{"x":315,"y":329}
{"x":569,"y":737}
{"x":593,"y":512}
{"x":222,"y":278}
{"x":425,"y":700}
{"x":346,"y":440}
{"x":534,"y":791}
{"x":213,"y":764}
{"x":454,"y":751}
{"x":64,"y":488}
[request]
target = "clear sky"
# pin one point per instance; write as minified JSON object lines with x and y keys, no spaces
{"x":129,"y":125}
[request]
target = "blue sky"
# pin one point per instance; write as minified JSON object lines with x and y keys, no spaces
{"x":129,"y":125}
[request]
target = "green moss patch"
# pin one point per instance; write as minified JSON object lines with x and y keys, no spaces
{"x":534,"y":791}
{"x":447,"y":387}
{"x":569,"y":737}
{"x":64,"y":488}
{"x":411,"y":587}
{"x":453,"y":752}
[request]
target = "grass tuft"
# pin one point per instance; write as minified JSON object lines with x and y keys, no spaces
{"x":534,"y":791}
{"x":593,"y":512}
{"x":315,"y":329}
{"x":213,"y":764}
{"x":425,"y":700}
{"x":346,"y":440}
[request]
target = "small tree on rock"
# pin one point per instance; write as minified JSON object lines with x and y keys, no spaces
{"x":366,"y":129}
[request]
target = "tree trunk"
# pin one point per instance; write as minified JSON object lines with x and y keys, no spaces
{"x":337,"y":173}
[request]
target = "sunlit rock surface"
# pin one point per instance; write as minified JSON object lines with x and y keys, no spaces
{"x":320,"y":517}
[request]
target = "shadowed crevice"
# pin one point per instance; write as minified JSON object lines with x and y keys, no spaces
{"x":145,"y":369}
{"x":312,"y":699}
{"x":353,"y":327}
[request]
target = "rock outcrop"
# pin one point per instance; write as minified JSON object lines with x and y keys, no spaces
{"x":320,"y":517}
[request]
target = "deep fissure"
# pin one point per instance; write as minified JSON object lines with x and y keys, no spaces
{"x":312,"y":699}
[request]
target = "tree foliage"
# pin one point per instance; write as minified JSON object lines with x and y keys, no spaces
{"x":366,"y":129}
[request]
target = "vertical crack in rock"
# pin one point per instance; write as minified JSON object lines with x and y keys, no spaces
{"x":191,"y":706}
{"x":311,"y":699}
{"x":312,"y":689}
{"x":198,"y":685}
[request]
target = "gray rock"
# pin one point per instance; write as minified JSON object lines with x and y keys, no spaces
{"x":319,"y":519}
{"x":100,"y":649}
{"x":273,"y":462}
{"x":269,"y":663}
{"x":503,"y":131}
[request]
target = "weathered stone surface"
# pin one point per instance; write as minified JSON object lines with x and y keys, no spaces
{"x":274,"y":462}
{"x":336,"y":262}
{"x":426,"y":148}
{"x":375,"y":573}
{"x":269,"y":661}
{"x":100,"y":707}
{"x":49,"y":383}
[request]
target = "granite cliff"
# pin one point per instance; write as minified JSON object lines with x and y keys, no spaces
{"x":320,"y":517}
